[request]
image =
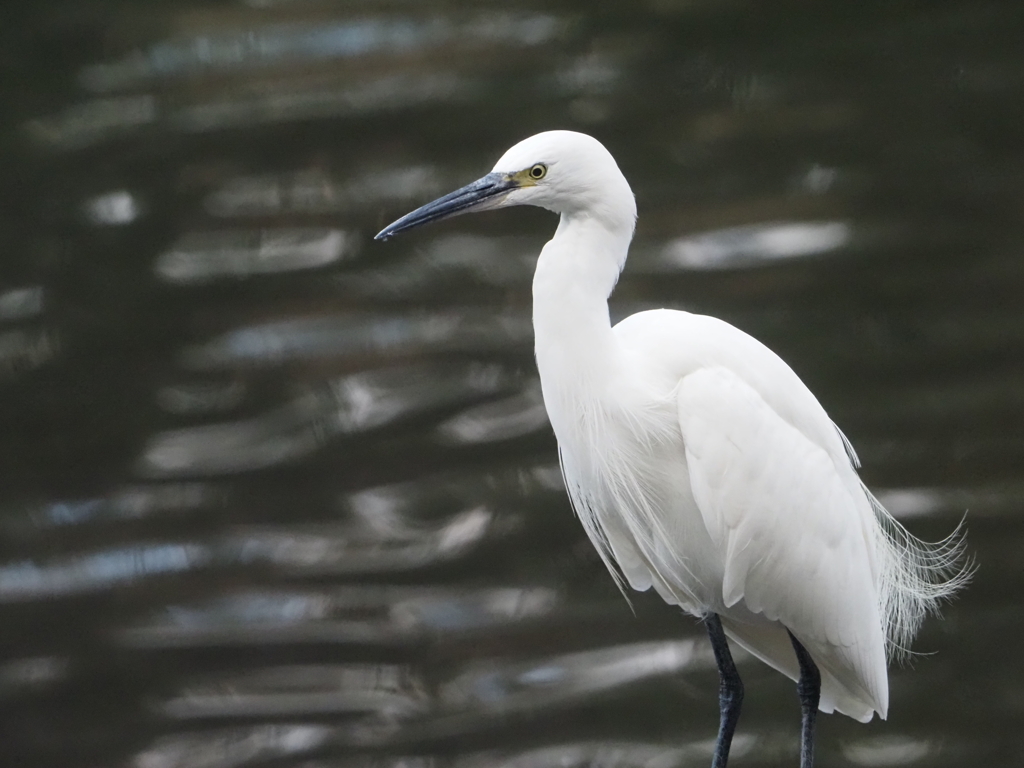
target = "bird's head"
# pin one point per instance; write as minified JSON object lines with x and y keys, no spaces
{"x":563,"y":171}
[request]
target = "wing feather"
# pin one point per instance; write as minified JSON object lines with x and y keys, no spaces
{"x":796,"y":541}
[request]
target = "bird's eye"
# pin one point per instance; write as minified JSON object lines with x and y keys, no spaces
{"x":538,"y":171}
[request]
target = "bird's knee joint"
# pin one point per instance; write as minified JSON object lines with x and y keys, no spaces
{"x":808,"y":685}
{"x":810,"y":694}
{"x":809,"y":682}
{"x":731,"y":691}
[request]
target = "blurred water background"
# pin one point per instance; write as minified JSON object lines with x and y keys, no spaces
{"x":274,"y":494}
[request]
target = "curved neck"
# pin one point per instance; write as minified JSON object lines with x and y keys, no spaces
{"x":576,"y":273}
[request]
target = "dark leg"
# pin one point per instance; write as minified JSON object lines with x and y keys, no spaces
{"x":809,"y":689}
{"x":730,"y":691}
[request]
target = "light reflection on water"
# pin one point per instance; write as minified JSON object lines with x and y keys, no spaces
{"x":233,"y":747}
{"x":28,"y":580}
{"x":344,"y":550}
{"x":521,"y":414}
{"x":19,"y":676}
{"x":21,"y":303}
{"x":114,"y":209}
{"x":289,"y":44}
{"x":377,"y":615}
{"x":199,"y":257}
{"x":315,"y":192}
{"x":223,"y":748}
{"x":135,"y":502}
{"x":349,"y":405}
{"x":753,"y":245}
{"x":274,"y":494}
{"x":363,"y":334}
{"x":388,"y":691}
{"x":891,"y":750}
{"x":392,"y":703}
{"x":488,"y":688}
{"x":273,"y":105}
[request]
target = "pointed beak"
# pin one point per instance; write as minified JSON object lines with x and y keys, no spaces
{"x":481,"y":195}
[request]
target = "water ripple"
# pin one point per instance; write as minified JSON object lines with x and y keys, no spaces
{"x":233,"y":747}
{"x":372,"y":615}
{"x":387,"y":690}
{"x":61,"y":577}
{"x":755,"y":244}
{"x":276,"y":44}
{"x":199,"y":257}
{"x":344,"y":549}
{"x":488,"y":689}
{"x":516,"y":416}
{"x":313,"y":191}
{"x":345,"y":406}
{"x":345,"y":335}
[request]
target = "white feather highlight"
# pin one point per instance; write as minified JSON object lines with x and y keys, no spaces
{"x":915,"y":576}
{"x":854,"y":458}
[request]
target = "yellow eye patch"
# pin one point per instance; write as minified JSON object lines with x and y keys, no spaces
{"x":530,"y":176}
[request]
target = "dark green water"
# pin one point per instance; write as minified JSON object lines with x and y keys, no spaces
{"x":274,"y":494}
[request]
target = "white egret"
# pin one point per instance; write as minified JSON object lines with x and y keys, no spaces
{"x":700,"y":464}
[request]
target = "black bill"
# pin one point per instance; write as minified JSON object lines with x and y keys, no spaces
{"x":479,"y":196}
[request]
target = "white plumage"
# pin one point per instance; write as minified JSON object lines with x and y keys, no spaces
{"x":698,"y":462}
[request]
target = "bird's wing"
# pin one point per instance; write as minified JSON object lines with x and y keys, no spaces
{"x":795,"y":544}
